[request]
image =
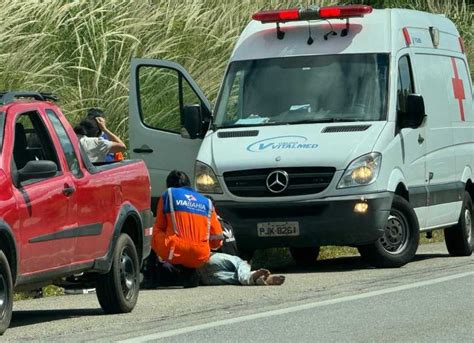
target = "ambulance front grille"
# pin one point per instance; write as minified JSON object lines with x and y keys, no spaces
{"x":345,"y":128}
{"x":236,"y":134}
{"x":301,"y":181}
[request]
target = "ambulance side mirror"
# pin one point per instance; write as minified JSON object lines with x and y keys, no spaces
{"x":192,"y":121}
{"x":415,"y":111}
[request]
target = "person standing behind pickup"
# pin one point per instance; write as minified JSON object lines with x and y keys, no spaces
{"x":93,"y":113}
{"x":186,"y":225}
{"x":97,"y":148}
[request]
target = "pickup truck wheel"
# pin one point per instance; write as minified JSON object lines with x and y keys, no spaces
{"x":6,"y":293}
{"x":117,"y":290}
{"x":458,"y":238}
{"x":399,"y":242}
{"x":306,"y":256}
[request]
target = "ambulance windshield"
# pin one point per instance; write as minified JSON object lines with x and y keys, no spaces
{"x":304,"y":89}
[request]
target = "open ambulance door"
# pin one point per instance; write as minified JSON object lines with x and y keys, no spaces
{"x":169,"y":116}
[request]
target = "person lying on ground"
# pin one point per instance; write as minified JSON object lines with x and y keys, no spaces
{"x":225,"y":269}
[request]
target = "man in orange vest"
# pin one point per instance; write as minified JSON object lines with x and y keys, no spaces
{"x":186,"y":227}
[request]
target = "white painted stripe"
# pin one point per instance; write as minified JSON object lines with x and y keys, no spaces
{"x":291,"y":309}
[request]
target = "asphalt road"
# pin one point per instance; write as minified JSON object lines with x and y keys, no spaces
{"x":429,"y":300}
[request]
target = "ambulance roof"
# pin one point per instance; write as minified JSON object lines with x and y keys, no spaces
{"x":378,"y":32}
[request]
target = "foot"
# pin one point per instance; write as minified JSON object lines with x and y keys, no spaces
{"x":259,"y":274}
{"x":274,"y":280}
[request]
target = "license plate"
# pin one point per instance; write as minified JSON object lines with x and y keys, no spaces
{"x":278,"y":229}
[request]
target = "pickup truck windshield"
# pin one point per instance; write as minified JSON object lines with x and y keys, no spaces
{"x":306,"y":89}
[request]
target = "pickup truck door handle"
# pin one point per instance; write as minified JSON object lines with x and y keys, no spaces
{"x":144,"y":149}
{"x":68,"y":190}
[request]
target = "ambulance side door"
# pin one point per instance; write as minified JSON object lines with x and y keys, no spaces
{"x":413,"y":140}
{"x":169,"y":116}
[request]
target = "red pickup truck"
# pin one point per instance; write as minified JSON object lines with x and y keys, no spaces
{"x":61,"y":215}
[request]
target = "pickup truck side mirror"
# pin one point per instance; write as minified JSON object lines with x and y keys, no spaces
{"x":37,"y":170}
{"x":192,"y":121}
{"x":415,"y":112}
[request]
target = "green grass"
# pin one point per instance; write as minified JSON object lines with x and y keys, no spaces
{"x":48,"y":291}
{"x":81,"y":50}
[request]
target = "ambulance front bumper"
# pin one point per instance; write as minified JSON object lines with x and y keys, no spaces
{"x":328,"y":221}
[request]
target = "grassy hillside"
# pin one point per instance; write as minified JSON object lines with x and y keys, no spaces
{"x":81,"y":50}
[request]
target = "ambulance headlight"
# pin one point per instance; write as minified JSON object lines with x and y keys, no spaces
{"x":205,"y":178}
{"x":362,"y":171}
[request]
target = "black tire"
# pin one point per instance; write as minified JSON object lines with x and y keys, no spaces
{"x":117,"y":290}
{"x":458,"y":238}
{"x":306,"y":256}
{"x":6,"y":293}
{"x":400,"y":240}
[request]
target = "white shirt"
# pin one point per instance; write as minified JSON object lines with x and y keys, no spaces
{"x":96,"y":148}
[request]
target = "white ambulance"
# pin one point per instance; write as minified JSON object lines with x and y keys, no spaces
{"x":333,"y":126}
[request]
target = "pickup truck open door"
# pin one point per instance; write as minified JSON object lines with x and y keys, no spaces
{"x":169,"y":116}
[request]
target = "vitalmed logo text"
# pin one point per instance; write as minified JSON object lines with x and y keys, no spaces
{"x":282,"y":143}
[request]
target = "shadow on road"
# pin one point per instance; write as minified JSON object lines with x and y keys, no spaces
{"x":343,"y":264}
{"x":24,"y":318}
{"x":340,"y":264}
{"x":422,"y":257}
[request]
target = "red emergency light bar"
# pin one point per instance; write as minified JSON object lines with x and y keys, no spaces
{"x":312,"y":13}
{"x":273,"y":16}
{"x":344,"y":11}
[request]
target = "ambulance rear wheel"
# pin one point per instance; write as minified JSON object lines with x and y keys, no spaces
{"x":399,"y":242}
{"x":305,"y":256}
{"x":117,"y":291}
{"x":458,"y":238}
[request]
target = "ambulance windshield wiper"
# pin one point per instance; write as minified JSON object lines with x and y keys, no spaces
{"x":247,"y":125}
{"x":325,"y":120}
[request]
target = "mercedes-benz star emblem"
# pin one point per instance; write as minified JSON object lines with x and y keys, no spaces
{"x":277,"y":181}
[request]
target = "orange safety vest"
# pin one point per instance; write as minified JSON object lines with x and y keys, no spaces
{"x":186,"y":228}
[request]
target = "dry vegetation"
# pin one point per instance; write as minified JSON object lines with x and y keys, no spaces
{"x":81,"y":50}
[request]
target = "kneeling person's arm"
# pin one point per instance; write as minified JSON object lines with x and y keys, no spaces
{"x":216,"y":235}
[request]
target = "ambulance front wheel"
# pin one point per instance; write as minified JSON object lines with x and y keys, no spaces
{"x":399,"y":242}
{"x":458,"y":238}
